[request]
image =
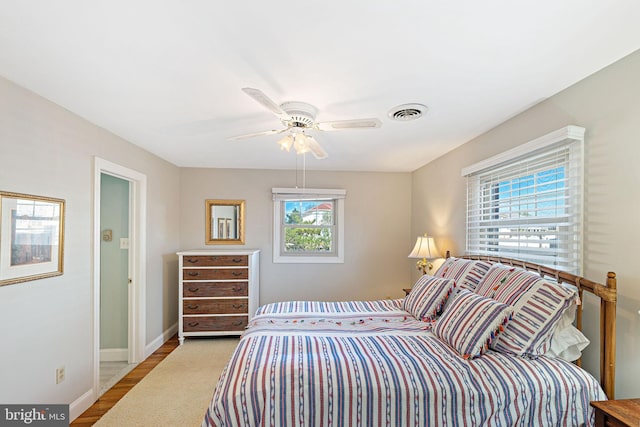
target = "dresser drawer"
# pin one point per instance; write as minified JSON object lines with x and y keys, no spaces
{"x":215,"y":273}
{"x":214,"y":323}
{"x":215,"y":306}
{"x":215,"y":260}
{"x":215,"y":289}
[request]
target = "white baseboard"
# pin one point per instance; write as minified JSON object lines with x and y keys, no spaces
{"x":81,"y":404}
{"x":114,"y":354}
{"x":155,"y":344}
{"x":84,"y":402}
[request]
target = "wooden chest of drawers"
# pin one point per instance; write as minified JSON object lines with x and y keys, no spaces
{"x":218,"y":291}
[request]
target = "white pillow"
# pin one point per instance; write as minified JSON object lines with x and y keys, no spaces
{"x":567,"y":341}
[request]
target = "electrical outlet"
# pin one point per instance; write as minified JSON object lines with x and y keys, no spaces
{"x":124,"y":243}
{"x":60,"y":374}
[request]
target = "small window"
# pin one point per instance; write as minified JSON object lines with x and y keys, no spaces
{"x":527,"y":203}
{"x":308,"y":225}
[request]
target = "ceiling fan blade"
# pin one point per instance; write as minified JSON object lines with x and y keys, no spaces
{"x":315,"y":148}
{"x":266,"y":102}
{"x":350,"y":124}
{"x":251,"y":135}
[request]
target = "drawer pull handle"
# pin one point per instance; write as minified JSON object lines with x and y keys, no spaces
{"x":236,"y":288}
{"x":237,"y":260}
{"x":238,"y":305}
{"x":237,"y":273}
{"x":193,"y":273}
{"x":194,"y":289}
{"x":192,"y":260}
{"x":238,"y":323}
{"x":192,"y":324}
{"x":193,"y":306}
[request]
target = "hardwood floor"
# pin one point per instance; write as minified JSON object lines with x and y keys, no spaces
{"x":115,"y":393}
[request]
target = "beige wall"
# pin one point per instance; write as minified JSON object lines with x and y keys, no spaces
{"x":48,"y":151}
{"x":377,"y":230}
{"x":607,"y":104}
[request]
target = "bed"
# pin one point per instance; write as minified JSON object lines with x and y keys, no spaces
{"x":470,"y":345}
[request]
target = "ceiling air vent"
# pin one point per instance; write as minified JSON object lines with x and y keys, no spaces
{"x":407,"y":112}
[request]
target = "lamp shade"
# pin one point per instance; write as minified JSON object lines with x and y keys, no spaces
{"x":425,"y":248}
{"x":286,"y":142}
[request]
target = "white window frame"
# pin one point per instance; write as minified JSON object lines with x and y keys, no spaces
{"x":567,"y":145}
{"x":281,"y":195}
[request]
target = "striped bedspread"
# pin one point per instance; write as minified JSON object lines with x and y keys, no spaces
{"x":328,"y":368}
{"x":331,"y":307}
{"x":386,"y":323}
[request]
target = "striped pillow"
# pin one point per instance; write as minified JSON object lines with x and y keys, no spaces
{"x":539,"y":306}
{"x":466,"y":272}
{"x":427,"y":297}
{"x":471,"y":322}
{"x":497,"y":274}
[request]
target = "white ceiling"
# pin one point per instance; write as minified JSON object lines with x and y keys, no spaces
{"x":166,"y":75}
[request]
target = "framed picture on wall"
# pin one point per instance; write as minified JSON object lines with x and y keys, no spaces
{"x":31,"y":237}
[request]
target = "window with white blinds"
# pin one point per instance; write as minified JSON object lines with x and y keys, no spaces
{"x":527,"y":203}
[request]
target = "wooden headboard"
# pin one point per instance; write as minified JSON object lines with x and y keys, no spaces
{"x":607,"y":293}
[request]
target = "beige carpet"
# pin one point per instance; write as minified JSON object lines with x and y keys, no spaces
{"x":178,"y":390}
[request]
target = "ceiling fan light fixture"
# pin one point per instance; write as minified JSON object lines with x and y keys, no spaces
{"x":286,"y":143}
{"x":300,"y":144}
{"x":407,"y":112}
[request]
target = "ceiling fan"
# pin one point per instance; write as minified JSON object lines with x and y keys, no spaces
{"x":298,"y":118}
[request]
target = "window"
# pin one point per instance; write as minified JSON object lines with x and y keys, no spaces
{"x":526,"y":203}
{"x":308,"y":225}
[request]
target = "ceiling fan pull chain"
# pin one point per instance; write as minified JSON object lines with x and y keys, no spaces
{"x":304,"y":170}
{"x":297,"y":172}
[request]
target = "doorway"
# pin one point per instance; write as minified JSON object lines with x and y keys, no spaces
{"x":119,"y":280}
{"x":114,"y":280}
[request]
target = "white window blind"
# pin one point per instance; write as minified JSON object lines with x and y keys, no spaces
{"x":527,"y":203}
